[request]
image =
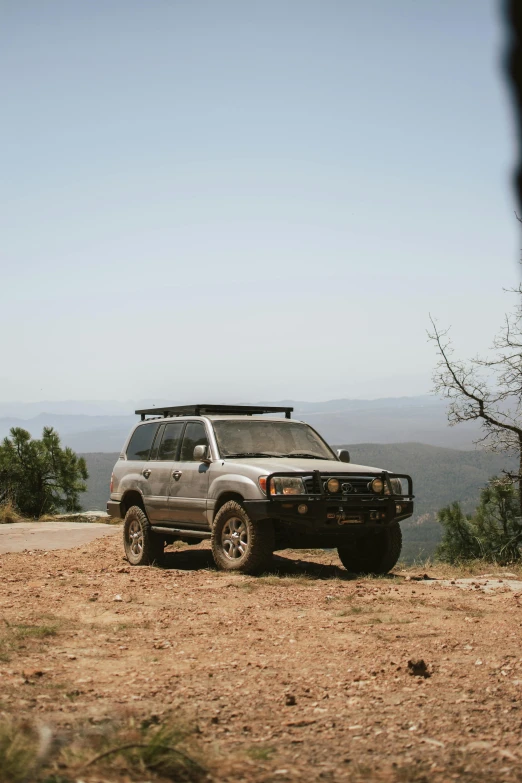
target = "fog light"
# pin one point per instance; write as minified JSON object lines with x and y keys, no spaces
{"x":377,"y":485}
{"x":398,"y":508}
{"x":333,"y":486}
{"x":302,"y":508}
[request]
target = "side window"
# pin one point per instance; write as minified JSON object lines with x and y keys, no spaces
{"x":141,"y":441}
{"x":157,"y":440}
{"x":195,"y":435}
{"x":168,"y":451}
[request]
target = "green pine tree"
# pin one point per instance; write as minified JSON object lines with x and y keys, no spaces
{"x":459,"y":541}
{"x":40,"y":476}
{"x":493,"y":532}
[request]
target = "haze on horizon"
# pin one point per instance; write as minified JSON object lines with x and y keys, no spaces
{"x":250,"y":201}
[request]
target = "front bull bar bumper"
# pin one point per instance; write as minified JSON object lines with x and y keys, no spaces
{"x":320,"y":512}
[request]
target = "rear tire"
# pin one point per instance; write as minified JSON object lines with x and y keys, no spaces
{"x":239,"y":543}
{"x":376,"y":553}
{"x":142,"y":546}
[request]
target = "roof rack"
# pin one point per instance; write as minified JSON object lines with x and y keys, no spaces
{"x":201,"y":409}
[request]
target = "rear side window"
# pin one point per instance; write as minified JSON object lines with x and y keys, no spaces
{"x":168,"y":450}
{"x":195,"y":435}
{"x":141,"y":441}
{"x":157,"y":440}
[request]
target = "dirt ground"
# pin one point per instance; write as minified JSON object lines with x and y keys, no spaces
{"x":301,"y":674}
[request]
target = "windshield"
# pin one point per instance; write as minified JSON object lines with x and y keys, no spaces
{"x":269,"y":439}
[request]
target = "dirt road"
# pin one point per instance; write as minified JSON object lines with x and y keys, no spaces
{"x":50,"y":535}
{"x":302,"y":675}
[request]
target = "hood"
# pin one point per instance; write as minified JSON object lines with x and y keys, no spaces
{"x":280,"y":464}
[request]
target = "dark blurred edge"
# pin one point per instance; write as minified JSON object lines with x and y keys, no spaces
{"x":513,"y":66}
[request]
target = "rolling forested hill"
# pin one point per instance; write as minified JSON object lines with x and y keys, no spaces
{"x":440,"y":476}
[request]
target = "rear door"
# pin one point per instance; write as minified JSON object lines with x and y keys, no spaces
{"x":189,"y":483}
{"x":157,"y":476}
{"x":163,"y":463}
{"x":138,"y":453}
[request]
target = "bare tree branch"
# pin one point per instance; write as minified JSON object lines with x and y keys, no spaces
{"x":488,"y":390}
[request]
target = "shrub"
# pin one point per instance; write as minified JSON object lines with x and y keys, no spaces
{"x":8,"y":513}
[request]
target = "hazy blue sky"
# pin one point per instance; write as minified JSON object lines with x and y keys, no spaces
{"x":249,"y":199}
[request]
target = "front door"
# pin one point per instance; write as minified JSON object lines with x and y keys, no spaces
{"x":189,"y":483}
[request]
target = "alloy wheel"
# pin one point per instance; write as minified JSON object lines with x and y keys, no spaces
{"x":234,"y":538}
{"x":135,"y":536}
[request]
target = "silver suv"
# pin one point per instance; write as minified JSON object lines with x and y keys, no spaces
{"x":252,"y":484}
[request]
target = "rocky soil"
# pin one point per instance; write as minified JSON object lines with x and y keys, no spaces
{"x":304,"y":674}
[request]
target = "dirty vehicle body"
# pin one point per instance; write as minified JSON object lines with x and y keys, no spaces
{"x":252,"y":484}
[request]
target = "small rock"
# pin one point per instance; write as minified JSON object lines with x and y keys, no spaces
{"x":418,"y":668}
{"x":290,"y":700}
{"x":478,"y":745}
{"x":117,"y":598}
{"x":162,"y":645}
{"x":32,"y":673}
{"x":508,"y":755}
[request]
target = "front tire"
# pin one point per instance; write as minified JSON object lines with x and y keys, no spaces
{"x":239,"y":543}
{"x":142,"y":546}
{"x":375,"y":553}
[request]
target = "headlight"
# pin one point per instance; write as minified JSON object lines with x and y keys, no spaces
{"x":396,"y":486}
{"x":283,"y":485}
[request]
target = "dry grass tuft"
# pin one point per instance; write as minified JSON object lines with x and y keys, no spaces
{"x":16,"y":637}
{"x":286,"y":580}
{"x":149,"y":748}
{"x":19,"y":752}
{"x":257,"y":753}
{"x":9,"y":514}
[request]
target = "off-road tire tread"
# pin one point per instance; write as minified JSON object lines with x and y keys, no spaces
{"x":381,"y":563}
{"x":153,"y":546}
{"x":261,"y":541}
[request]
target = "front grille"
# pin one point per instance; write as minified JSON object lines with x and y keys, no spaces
{"x":350,"y":485}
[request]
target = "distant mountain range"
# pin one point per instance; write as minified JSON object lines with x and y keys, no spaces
{"x":102,"y":426}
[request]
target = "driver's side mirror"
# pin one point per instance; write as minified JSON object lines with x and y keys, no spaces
{"x":201,"y":454}
{"x":344,"y":455}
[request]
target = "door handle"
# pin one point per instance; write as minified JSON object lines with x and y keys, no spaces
{"x":177,"y":474}
{"x":146,"y":472}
